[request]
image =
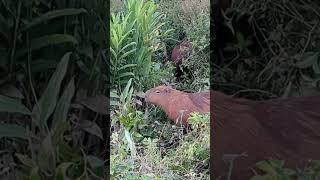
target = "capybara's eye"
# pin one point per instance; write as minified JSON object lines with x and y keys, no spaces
{"x":157,"y":92}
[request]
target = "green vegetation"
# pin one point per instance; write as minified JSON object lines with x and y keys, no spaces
{"x":50,"y":52}
{"x":272,"y":51}
{"x":275,"y":169}
{"x":144,"y":143}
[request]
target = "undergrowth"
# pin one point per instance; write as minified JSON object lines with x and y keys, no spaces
{"x":271,"y":51}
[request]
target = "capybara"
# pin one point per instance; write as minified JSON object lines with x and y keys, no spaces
{"x":177,"y":104}
{"x":285,"y":129}
{"x":180,"y":53}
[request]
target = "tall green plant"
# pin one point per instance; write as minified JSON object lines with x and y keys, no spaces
{"x":136,"y":34}
{"x":50,"y":154}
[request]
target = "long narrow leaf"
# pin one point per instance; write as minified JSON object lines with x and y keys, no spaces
{"x":126,"y":74}
{"x":125,"y":92}
{"x":63,"y":105}
{"x":48,"y":40}
{"x":130,"y":143}
{"x":48,"y":100}
{"x":128,"y":53}
{"x":53,"y":14}
{"x":12,"y":105}
{"x":126,"y":66}
{"x":128,"y":45}
{"x":12,"y":130}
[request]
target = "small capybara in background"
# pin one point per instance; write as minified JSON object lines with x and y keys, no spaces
{"x":178,"y":105}
{"x":181,"y":52}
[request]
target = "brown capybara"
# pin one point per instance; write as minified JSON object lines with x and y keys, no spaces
{"x":284,"y":129}
{"x":179,"y":53}
{"x":177,"y":104}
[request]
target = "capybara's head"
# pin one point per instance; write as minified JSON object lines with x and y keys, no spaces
{"x":181,"y":52}
{"x":159,"y":95}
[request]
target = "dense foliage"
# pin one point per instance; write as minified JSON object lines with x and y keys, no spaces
{"x":271,"y":49}
{"x":50,"y":52}
{"x":144,"y":143}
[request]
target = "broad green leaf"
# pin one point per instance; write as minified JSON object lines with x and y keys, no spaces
{"x":51,"y":15}
{"x":12,"y":130}
{"x":12,"y":106}
{"x":48,"y":40}
{"x":48,"y":100}
{"x":63,"y":105}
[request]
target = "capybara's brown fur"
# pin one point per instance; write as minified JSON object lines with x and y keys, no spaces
{"x":284,"y":129}
{"x":180,"y":53}
{"x":177,"y":104}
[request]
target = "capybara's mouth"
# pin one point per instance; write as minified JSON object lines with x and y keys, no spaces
{"x":145,"y":96}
